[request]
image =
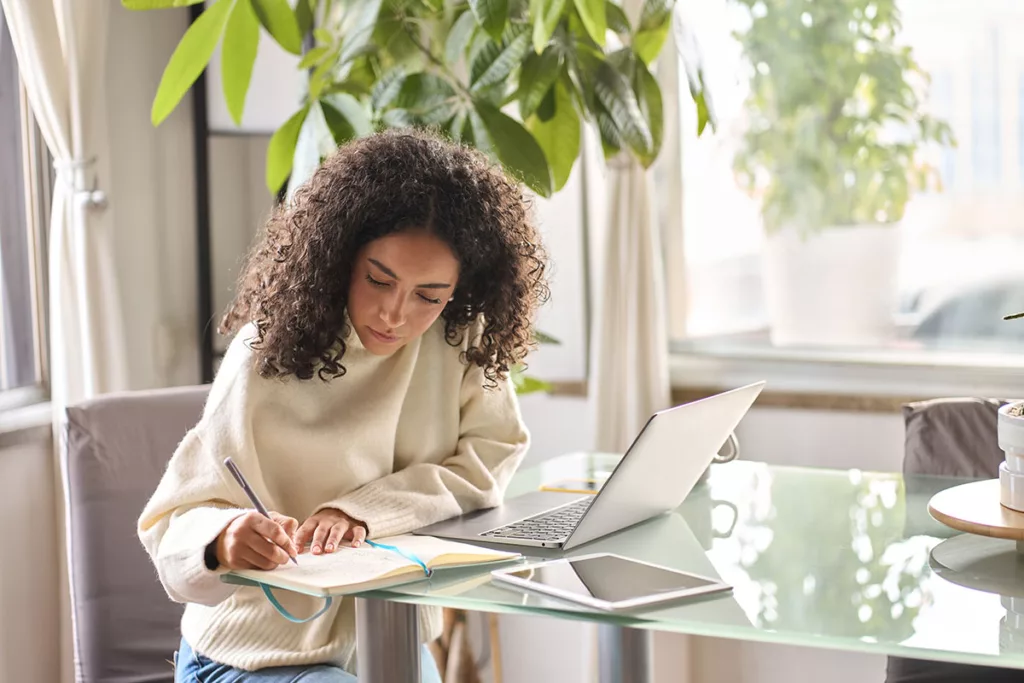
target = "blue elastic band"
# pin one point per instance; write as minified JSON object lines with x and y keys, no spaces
{"x":327,"y":601}
{"x":408,"y":556}
{"x":288,"y":615}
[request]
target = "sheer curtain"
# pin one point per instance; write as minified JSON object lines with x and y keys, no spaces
{"x":61,"y":49}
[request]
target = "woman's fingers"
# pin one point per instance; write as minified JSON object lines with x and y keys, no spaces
{"x":267,"y":549}
{"x":323,"y":529}
{"x":358,"y":535}
{"x":304,"y":534}
{"x":336,"y":535}
{"x":289,"y":524}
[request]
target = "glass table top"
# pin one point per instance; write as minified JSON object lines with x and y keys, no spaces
{"x":841,"y":559}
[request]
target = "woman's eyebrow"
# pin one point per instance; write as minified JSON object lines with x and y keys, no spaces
{"x":390,"y":273}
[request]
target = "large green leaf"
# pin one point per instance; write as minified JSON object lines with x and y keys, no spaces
{"x":559,"y":136}
{"x":649,"y":99}
{"x":429,"y":99}
{"x":241,"y":37}
{"x":516,"y":148}
{"x":648,"y":44}
{"x":504,"y":62}
{"x":359,"y":29}
{"x":492,"y":15}
{"x":545,"y":15}
{"x":655,"y":20}
{"x":189,"y":59}
{"x":353,"y":111}
{"x":614,"y":93}
{"x":281,"y":150}
{"x":457,"y":129}
{"x":313,"y":57}
{"x":655,"y":13}
{"x":476,"y":135}
{"x":304,"y":16}
{"x":592,"y":13}
{"x":617,"y":19}
{"x":458,"y":37}
{"x":341,"y":128}
{"x":538,"y":74}
{"x":280,"y":21}
{"x":158,"y":4}
{"x":386,"y":89}
{"x":314,"y":142}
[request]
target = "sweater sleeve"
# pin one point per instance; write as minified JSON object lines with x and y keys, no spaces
{"x":195,"y":500}
{"x":186,"y":513}
{"x":492,"y":443}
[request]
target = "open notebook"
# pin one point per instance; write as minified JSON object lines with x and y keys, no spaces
{"x":385,"y":562}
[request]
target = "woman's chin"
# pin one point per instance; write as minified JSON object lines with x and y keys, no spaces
{"x":376,"y":346}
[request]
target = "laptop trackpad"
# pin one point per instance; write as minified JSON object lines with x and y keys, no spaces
{"x":512,"y":510}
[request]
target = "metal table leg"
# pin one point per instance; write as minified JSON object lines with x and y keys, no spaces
{"x":624,"y":654}
{"x":388,"y":641}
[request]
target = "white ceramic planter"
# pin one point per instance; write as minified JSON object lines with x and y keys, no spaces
{"x":834,"y":287}
{"x":1010,"y":433}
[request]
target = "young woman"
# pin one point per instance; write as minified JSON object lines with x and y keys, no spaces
{"x":364,"y":395}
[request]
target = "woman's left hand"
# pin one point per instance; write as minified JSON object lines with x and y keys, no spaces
{"x":326,"y":529}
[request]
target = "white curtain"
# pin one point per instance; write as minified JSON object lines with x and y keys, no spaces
{"x":61,"y":48}
{"x":630,"y":368}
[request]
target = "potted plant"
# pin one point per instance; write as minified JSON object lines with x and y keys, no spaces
{"x":835,"y":143}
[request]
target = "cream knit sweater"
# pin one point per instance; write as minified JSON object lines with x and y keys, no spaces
{"x":398,"y":442}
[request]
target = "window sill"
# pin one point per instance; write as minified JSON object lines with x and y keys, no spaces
{"x":876,"y":381}
{"x":27,"y":423}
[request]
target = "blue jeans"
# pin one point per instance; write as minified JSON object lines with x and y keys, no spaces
{"x":192,"y":667}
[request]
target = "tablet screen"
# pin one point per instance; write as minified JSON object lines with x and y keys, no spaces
{"x":610,"y":578}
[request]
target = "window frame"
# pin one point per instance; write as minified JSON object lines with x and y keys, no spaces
{"x":37,"y":172}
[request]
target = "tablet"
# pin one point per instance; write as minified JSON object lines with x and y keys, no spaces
{"x":609,"y":582}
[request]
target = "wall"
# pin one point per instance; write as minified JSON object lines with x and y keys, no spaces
{"x":152,"y":198}
{"x":29,"y":574}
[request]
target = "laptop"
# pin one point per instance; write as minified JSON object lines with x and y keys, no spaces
{"x":664,"y":462}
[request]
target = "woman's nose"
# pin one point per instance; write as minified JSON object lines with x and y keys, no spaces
{"x":392,"y":312}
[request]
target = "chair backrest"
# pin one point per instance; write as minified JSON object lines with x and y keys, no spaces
{"x":114,"y":452}
{"x":953,"y":437}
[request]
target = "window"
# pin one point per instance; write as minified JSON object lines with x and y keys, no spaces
{"x":824,"y":162}
{"x":21,"y":249}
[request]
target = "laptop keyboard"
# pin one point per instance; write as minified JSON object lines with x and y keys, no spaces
{"x":549,"y":526}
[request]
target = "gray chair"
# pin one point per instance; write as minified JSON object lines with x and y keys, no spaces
{"x":114,"y":451}
{"x":950,"y":437}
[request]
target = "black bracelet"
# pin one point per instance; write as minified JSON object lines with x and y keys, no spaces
{"x":210,"y":556}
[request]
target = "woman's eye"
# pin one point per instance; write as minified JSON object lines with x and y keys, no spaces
{"x":429,"y":300}
{"x":375,"y":283}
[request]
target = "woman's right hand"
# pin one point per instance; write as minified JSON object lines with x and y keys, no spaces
{"x":254,"y":542}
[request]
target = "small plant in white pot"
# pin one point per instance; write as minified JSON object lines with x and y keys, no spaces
{"x":833,"y":149}
{"x":1010,"y":432}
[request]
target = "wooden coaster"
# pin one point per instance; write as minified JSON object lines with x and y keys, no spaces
{"x":975,"y":508}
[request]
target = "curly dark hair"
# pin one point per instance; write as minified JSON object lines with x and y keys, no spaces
{"x":294,"y":285}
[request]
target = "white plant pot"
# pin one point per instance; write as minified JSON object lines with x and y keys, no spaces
{"x":1010,"y":433}
{"x":833,"y":287}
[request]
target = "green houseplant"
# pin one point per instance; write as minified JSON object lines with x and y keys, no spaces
{"x":836,"y":141}
{"x":514,"y":78}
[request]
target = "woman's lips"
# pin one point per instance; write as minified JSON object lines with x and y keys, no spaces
{"x":381,"y":337}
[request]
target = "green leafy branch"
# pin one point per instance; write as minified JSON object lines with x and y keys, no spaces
{"x":515,"y":78}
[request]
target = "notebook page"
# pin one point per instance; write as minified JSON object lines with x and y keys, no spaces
{"x":344,"y":567}
{"x":428,"y":548}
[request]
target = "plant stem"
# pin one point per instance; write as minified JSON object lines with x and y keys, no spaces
{"x":441,"y":66}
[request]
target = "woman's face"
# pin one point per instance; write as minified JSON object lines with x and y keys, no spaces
{"x":400,"y":284}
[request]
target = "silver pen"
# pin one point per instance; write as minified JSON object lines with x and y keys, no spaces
{"x":237,"y":474}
